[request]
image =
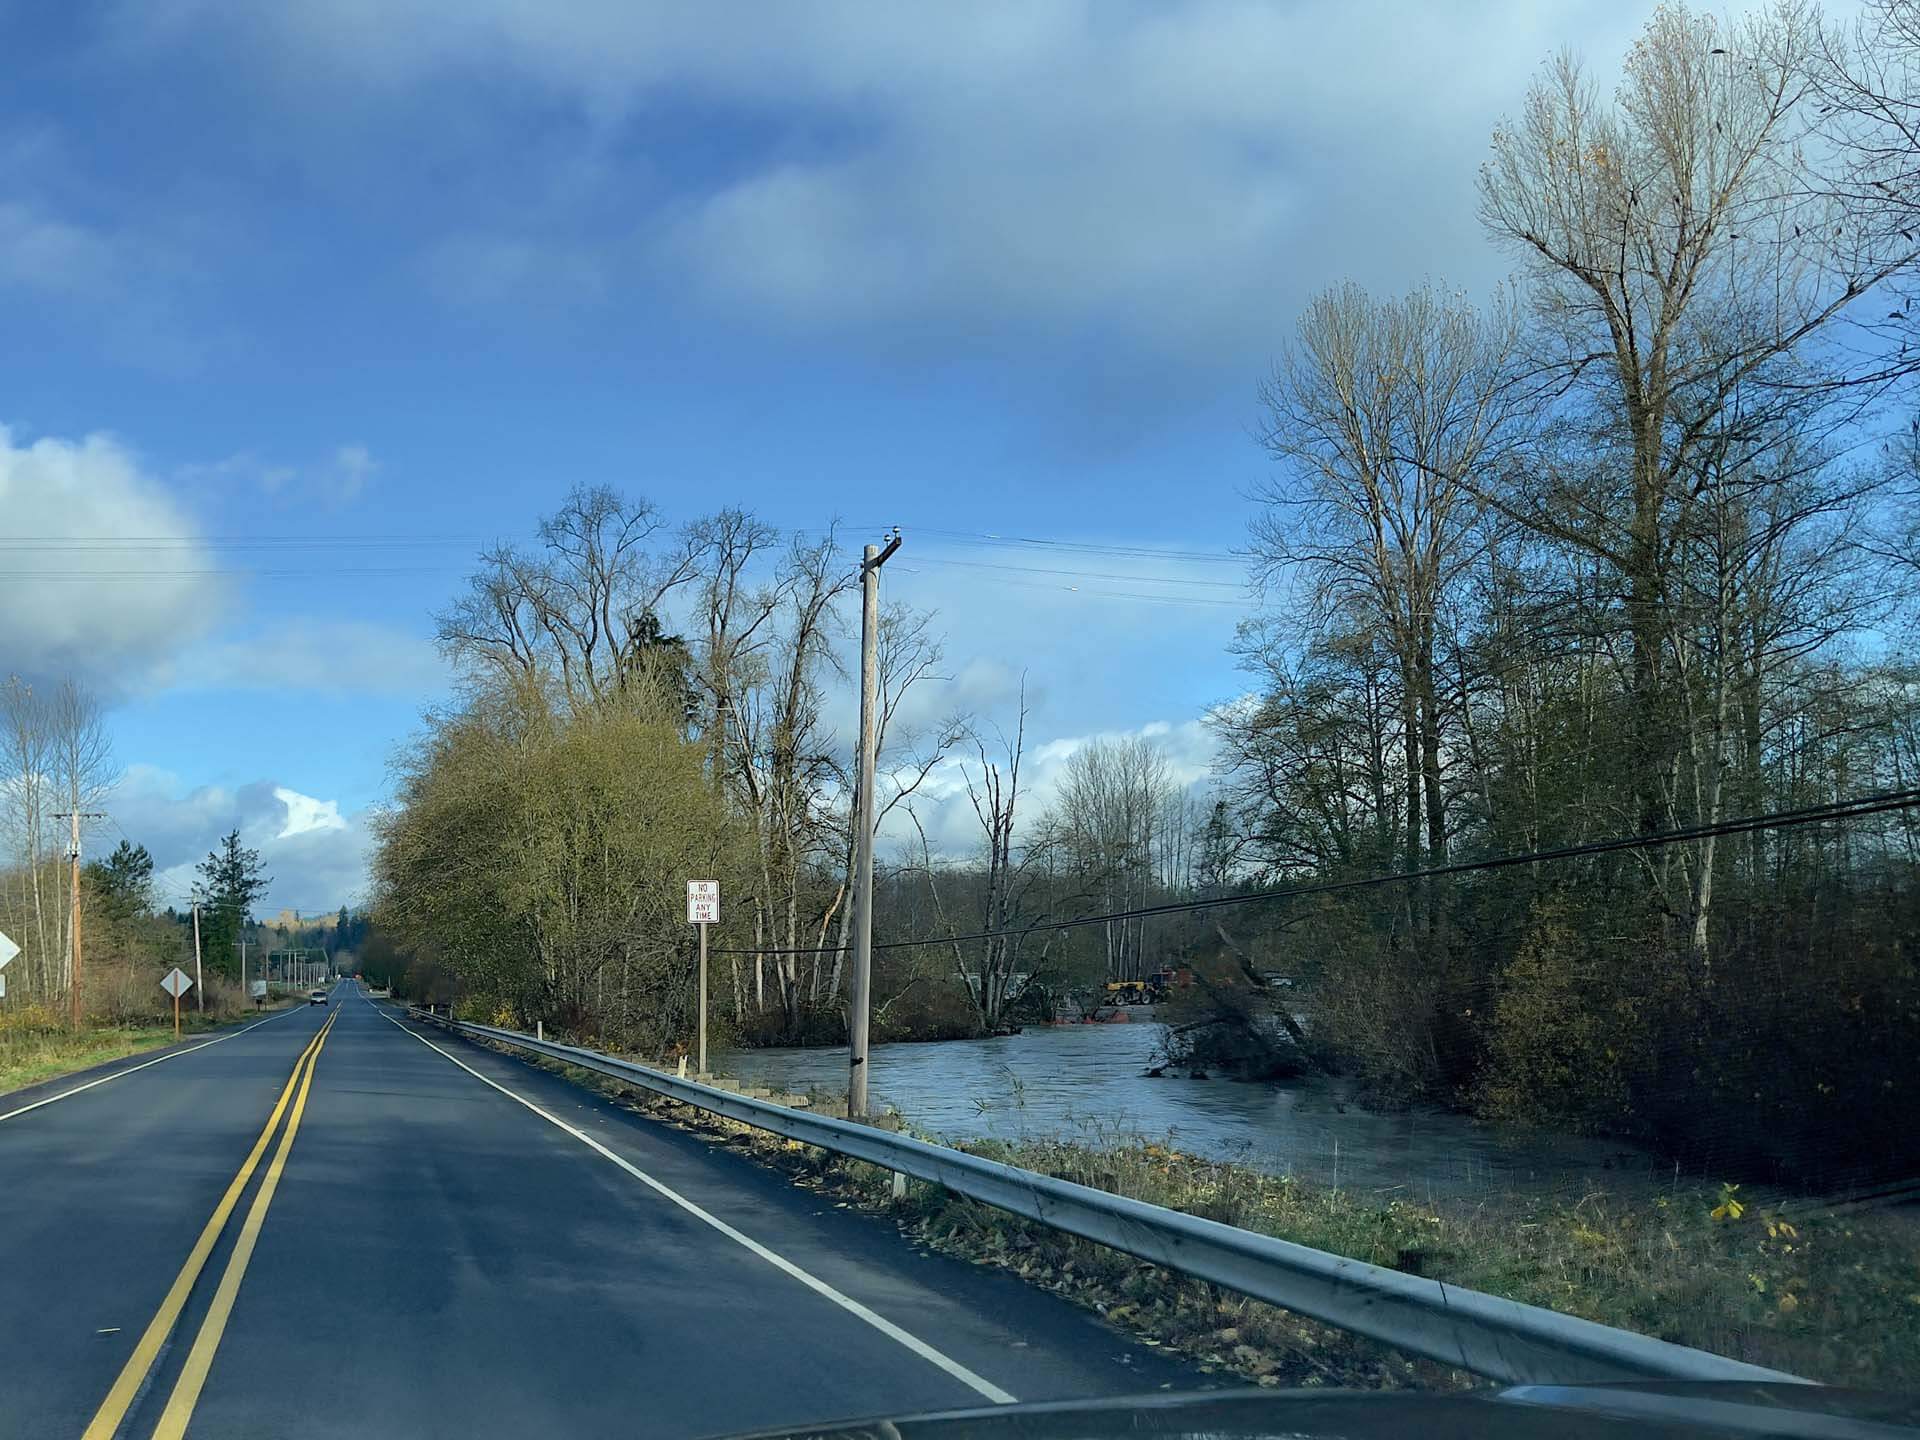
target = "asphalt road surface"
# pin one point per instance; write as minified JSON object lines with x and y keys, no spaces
{"x":330,"y":1223}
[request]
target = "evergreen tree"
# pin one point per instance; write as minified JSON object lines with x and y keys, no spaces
{"x":124,"y":883}
{"x":231,"y":879}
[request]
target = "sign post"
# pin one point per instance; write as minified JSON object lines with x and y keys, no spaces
{"x":177,"y":983}
{"x":703,"y":909}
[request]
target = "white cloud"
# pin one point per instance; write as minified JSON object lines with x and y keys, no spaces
{"x":483,"y":270}
{"x":353,"y":466}
{"x":43,"y":252}
{"x":305,"y":813}
{"x":946,"y":812}
{"x":1099,"y":646}
{"x":1172,"y":175}
{"x":316,"y":856}
{"x":299,"y":653}
{"x":104,"y":576}
{"x":1088,"y":642}
{"x":75,"y":269}
{"x":101,"y":575}
{"x":336,"y":480}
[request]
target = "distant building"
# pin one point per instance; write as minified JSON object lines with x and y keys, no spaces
{"x":293,"y":920}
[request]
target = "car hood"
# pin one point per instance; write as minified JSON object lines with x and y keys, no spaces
{"x":1583,"y":1412}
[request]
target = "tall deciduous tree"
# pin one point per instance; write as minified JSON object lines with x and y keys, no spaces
{"x":1384,"y":415}
{"x":57,"y":761}
{"x":580,"y":611}
{"x":28,"y":765}
{"x":1681,"y":254}
{"x":1110,"y":823}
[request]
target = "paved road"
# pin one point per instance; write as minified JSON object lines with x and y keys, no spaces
{"x":329,"y":1224}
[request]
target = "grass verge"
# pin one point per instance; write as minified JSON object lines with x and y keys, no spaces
{"x":35,"y":1047}
{"x":28,"y":1058}
{"x":1834,"y":1297}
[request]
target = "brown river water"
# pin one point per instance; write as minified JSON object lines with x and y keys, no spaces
{"x":1086,"y":1082}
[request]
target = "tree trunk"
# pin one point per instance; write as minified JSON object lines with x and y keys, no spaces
{"x":1435,"y":801}
{"x":1410,"y":735}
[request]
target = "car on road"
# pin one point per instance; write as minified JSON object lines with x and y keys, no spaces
{"x":316,"y":997}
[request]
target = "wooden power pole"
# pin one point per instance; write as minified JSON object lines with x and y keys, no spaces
{"x":75,"y":1006}
{"x":862,"y":997}
{"x":199,"y":983}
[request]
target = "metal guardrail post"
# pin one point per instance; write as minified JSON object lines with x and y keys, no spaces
{"x":1501,"y":1339}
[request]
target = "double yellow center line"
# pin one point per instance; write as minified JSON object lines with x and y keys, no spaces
{"x":186,"y":1390}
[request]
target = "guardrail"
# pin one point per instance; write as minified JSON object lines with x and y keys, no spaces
{"x":1501,"y":1339}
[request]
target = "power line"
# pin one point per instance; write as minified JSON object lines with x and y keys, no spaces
{"x":1777,"y":820}
{"x":1136,"y":578}
{"x":1100,"y":594}
{"x":1082,"y":547}
{"x":237,"y":542}
{"x":99,"y":573}
{"x":208,"y":571}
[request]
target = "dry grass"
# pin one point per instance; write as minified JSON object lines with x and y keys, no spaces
{"x":36,"y":1045}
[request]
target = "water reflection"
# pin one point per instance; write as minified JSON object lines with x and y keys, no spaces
{"x":1085,"y":1082}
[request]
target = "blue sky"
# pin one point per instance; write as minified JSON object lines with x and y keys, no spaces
{"x":394,"y":276}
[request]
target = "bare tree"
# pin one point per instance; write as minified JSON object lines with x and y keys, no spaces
{"x":908,"y":653}
{"x":1306,"y":767}
{"x":1114,"y":802}
{"x":733,"y":616}
{"x":581,"y":609}
{"x":1772,"y":571}
{"x":57,"y":759}
{"x":1383,"y":413}
{"x":29,"y":766}
{"x":783,"y":763}
{"x":1010,"y":870}
{"x":1681,"y":250}
{"x":791,"y":776}
{"x":1867,"y":75}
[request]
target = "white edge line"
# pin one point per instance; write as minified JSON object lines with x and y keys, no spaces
{"x":157,"y":1060}
{"x":779,"y":1262}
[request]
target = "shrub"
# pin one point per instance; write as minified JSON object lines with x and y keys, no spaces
{"x":1560,"y":1027}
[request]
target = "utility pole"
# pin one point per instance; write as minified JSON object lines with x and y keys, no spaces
{"x":199,"y":985}
{"x":862,"y":999}
{"x":242,"y":943}
{"x":74,"y":1001}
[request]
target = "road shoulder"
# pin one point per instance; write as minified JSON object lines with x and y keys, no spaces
{"x":1035,"y":1344}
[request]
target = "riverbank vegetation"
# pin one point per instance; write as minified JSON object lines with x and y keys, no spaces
{"x":1814,"y":1293}
{"x":1629,"y":551}
{"x":1623,"y":556}
{"x":1825,"y":1296}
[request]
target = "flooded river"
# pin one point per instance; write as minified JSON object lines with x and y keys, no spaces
{"x":1085,"y":1082}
